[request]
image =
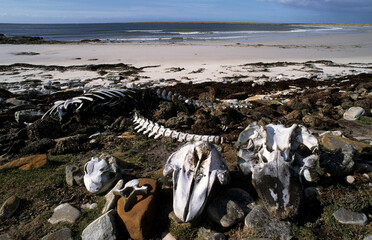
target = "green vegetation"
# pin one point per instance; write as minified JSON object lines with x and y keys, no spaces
{"x":300,"y":232}
{"x":182,"y":231}
{"x":364,"y":120}
{"x":36,"y":181}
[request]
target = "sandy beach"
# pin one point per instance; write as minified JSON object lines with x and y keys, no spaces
{"x":197,"y":62}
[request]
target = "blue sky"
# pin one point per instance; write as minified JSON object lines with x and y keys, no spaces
{"x":102,"y":11}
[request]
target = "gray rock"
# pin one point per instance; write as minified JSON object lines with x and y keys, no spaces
{"x":5,"y":236}
{"x":168,"y":236}
{"x":64,"y":213}
{"x":368,"y":237}
{"x":348,"y":217}
{"x":28,"y":116}
{"x":62,"y":234}
{"x":207,"y":233}
{"x":103,"y":228}
{"x":9,"y":207}
{"x":16,"y":102}
{"x":353,"y":113}
{"x":259,"y":221}
{"x":341,"y":163}
{"x":230,"y":207}
{"x":79,"y":178}
{"x":70,"y":171}
{"x":111,"y":198}
{"x":216,"y":236}
{"x":89,"y":206}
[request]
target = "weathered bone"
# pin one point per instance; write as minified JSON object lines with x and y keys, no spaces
{"x":154,"y":130}
{"x":168,"y":132}
{"x":130,"y":193}
{"x":271,"y":154}
{"x":100,"y":175}
{"x":194,"y":169}
{"x":160,"y":132}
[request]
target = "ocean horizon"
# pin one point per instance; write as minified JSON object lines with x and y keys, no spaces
{"x":174,"y":31}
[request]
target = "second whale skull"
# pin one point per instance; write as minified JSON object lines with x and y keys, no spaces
{"x":194,"y":169}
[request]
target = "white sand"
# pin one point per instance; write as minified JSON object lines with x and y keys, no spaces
{"x":218,"y":60}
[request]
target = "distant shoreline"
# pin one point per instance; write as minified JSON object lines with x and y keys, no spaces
{"x":206,"y":22}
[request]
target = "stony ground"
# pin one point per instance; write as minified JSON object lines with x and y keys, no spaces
{"x":319,"y":105}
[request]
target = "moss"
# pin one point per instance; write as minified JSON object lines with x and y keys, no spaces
{"x":364,"y":120}
{"x":15,"y":181}
{"x":355,"y":199}
{"x":145,"y":143}
{"x":300,"y":232}
{"x":182,"y":231}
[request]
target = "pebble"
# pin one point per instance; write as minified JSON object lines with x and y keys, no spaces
{"x":64,"y":213}
{"x":103,"y":228}
{"x":350,"y":179}
{"x":353,"y":113}
{"x":9,"y":207}
{"x":89,"y":206}
{"x":62,"y":234}
{"x":348,"y":217}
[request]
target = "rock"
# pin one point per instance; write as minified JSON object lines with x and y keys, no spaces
{"x":39,"y":146}
{"x":350,"y":179}
{"x":27,"y":163}
{"x":62,"y":234}
{"x":111,"y":198}
{"x":44,"y":128}
{"x":71,"y":144}
{"x":230,"y":207}
{"x":139,"y":219}
{"x":70,"y":172}
{"x":340,"y":163}
{"x":16,"y":102}
{"x":103,"y":228}
{"x":9,"y":207}
{"x":348,"y":217}
{"x":353,"y":113}
{"x":64,"y":213}
{"x":208,"y":234}
{"x":334,"y":143}
{"x":5,"y":236}
{"x":89,"y":206}
{"x":260,"y":222}
{"x":169,"y":236}
{"x":79,"y":178}
{"x":368,"y":237}
{"x":295,"y":114}
{"x":27,"y":116}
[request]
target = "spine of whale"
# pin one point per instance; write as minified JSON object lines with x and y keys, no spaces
{"x":168,"y":95}
{"x":151,"y":129}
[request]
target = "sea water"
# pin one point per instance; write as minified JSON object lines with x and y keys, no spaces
{"x":172,"y":32}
